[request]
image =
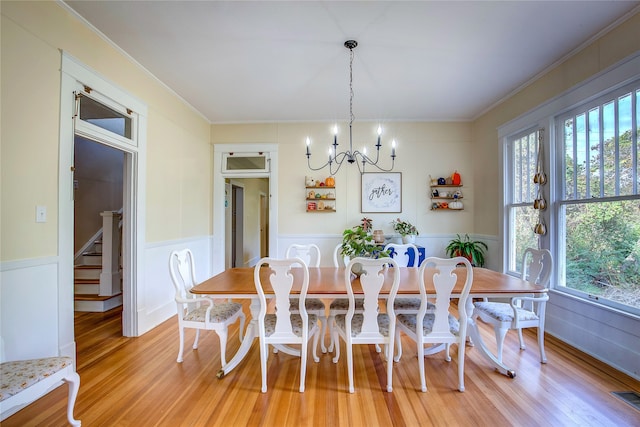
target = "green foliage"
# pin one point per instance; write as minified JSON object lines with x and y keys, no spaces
{"x":473,"y":250}
{"x":404,"y":228}
{"x":357,"y":242}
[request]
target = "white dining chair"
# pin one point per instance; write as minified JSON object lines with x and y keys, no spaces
{"x":197,"y":312}
{"x":310,"y":254}
{"x":369,"y":326}
{"x":283,"y":326}
{"x":401,"y":254}
{"x":440,"y":325}
{"x":521,"y":312}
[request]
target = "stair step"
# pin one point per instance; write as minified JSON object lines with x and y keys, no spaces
{"x":97,"y":303}
{"x":87,"y":267}
{"x":94,"y":297}
{"x":84,"y":281}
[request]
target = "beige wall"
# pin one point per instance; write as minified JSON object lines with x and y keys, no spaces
{"x":178,"y":150}
{"x":423,"y":148}
{"x":614,"y":46}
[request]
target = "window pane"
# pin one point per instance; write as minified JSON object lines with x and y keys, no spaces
{"x":603,"y":250}
{"x":624,"y":145}
{"x":595,"y":154}
{"x":525,"y":151}
{"x":522,"y":221}
{"x":246,"y":163}
{"x":93,"y":112}
{"x":609,"y":149}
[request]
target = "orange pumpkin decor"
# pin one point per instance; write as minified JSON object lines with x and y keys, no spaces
{"x":330,"y":182}
{"x":455,"y":178}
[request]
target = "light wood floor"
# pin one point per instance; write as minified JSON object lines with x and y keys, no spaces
{"x":137,"y":382}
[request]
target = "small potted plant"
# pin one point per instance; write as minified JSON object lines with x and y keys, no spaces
{"x":405,"y":229}
{"x":356,"y":242}
{"x":473,"y":250}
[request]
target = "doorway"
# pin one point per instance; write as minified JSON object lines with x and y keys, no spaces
{"x":222,"y":176}
{"x":246,"y":221}
{"x":98,"y":189}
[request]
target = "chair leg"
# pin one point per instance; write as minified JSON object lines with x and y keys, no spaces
{"x":315,"y":346}
{"x":447,"y":355}
{"x":350,"y":366}
{"x":195,"y":341}
{"x":423,"y":381}
{"x":241,"y":330}
{"x":323,"y":330}
{"x":264,"y":353}
{"x":181,"y":349}
{"x":460,"y":366}
{"x":223,"y":346}
{"x":390,"y":366}
{"x":398,"y":339}
{"x":336,"y":340}
{"x":522,"y":346}
{"x":501,"y":332}
{"x":543,"y":356}
{"x":73,"y":380}
{"x":303,"y":361}
{"x":331,"y":327}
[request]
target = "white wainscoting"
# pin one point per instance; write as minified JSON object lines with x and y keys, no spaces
{"x":608,"y":335}
{"x":29,"y":316}
{"x":156,"y":296}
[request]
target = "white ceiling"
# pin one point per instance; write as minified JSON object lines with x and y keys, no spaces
{"x":262,"y":61}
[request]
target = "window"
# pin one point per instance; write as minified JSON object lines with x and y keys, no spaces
{"x":598,"y":199}
{"x":521,"y":217}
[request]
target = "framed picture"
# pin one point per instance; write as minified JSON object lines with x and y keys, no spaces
{"x":381,"y":192}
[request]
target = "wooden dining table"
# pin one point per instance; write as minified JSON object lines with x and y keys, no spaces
{"x":328,"y":282}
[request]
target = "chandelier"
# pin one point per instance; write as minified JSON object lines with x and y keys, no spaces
{"x":359,"y":158}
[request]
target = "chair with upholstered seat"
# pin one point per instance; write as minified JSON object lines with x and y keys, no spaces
{"x":440,"y":325}
{"x":401,"y":254}
{"x":283,"y":326}
{"x":369,"y":326}
{"x":521,"y":312}
{"x":199,"y":312}
{"x":310,"y":254}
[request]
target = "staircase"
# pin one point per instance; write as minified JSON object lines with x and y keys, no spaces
{"x":98,"y":278}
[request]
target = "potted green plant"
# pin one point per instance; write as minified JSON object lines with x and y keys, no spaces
{"x":405,"y":229}
{"x":473,"y":250}
{"x":357,"y":242}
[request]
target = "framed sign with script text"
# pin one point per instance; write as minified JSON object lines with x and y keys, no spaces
{"x":381,"y":192}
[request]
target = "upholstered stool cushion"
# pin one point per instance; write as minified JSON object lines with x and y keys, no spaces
{"x":21,"y":374}
{"x":219,"y":313}
{"x":410,"y":321}
{"x":296,"y":324}
{"x":356,"y":323}
{"x":503,"y":311}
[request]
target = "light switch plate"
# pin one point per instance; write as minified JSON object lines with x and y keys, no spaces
{"x":41,"y":214}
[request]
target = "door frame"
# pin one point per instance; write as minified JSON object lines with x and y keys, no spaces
{"x":134,"y":200}
{"x":218,"y":241}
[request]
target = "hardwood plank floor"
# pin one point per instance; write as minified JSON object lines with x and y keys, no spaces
{"x":137,"y":382}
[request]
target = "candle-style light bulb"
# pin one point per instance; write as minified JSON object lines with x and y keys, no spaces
{"x":379,"y":133}
{"x":364,"y":150}
{"x":393,"y":148}
{"x":330,"y":152}
{"x":308,"y":143}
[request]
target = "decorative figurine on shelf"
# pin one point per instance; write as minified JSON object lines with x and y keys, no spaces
{"x":456,"y":179}
{"x":330,"y":182}
{"x":309,"y":182}
{"x":441,"y":181}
